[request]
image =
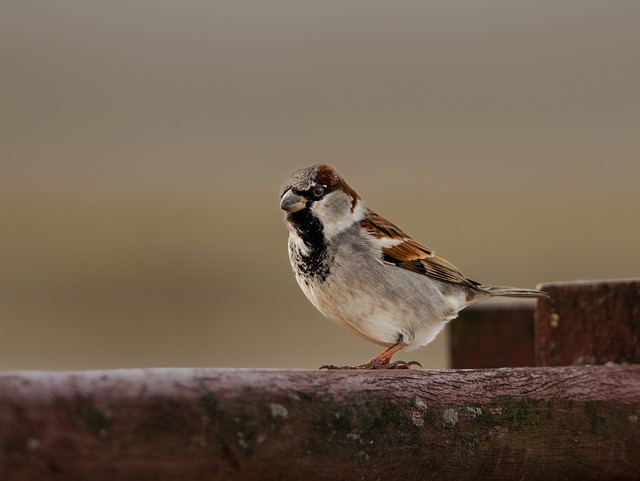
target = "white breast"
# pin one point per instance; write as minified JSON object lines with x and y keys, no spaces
{"x":382,"y":303}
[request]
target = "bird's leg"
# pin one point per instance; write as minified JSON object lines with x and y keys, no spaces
{"x":381,"y":361}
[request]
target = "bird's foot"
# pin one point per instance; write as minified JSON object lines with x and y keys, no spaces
{"x":375,"y":364}
{"x":403,"y":365}
{"x":333,"y":367}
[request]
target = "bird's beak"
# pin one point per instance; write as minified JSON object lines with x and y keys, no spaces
{"x":292,"y":202}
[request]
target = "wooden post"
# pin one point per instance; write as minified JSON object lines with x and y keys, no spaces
{"x":493,"y":335}
{"x":571,"y":423}
{"x":588,"y":323}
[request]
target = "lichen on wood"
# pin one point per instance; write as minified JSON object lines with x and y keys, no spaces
{"x":230,"y":424}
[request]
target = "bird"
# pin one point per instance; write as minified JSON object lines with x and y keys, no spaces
{"x":361,"y":271}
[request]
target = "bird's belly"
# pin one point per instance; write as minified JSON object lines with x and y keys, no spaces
{"x":385,"y":313}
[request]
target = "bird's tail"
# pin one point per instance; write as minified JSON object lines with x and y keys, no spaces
{"x":513,"y":292}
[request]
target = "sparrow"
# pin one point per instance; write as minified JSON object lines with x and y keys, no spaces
{"x":361,"y":271}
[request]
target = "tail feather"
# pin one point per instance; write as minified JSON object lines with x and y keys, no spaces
{"x":513,"y":292}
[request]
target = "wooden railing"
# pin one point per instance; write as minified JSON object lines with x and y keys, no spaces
{"x":577,"y":421}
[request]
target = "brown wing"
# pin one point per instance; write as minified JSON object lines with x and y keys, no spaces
{"x":410,"y":255}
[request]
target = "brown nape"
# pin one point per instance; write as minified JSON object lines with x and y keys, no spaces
{"x":330,"y":177}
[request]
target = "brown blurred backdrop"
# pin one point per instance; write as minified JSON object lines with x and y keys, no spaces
{"x":142,"y":144}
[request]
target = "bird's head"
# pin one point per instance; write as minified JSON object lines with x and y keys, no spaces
{"x":320,"y":194}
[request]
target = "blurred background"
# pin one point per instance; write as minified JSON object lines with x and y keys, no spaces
{"x":142,"y":145}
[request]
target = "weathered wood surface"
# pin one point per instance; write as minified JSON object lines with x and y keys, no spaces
{"x":569,"y":423}
{"x":493,"y":335}
{"x":591,"y":322}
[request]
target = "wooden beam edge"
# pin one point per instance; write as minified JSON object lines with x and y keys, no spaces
{"x":239,"y":424}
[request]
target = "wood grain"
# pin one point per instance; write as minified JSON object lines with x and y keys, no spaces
{"x":577,"y":423}
{"x":493,"y":335}
{"x":591,"y":322}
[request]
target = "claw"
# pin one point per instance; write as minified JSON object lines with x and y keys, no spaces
{"x":373,"y":366}
{"x":403,"y":365}
{"x":381,"y":361}
{"x":333,"y":367}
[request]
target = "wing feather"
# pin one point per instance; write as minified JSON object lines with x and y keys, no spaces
{"x":401,"y":250}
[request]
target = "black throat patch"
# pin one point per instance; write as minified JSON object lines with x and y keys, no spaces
{"x":314,"y":265}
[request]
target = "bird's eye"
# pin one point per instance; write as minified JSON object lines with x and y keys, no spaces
{"x":318,"y":190}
